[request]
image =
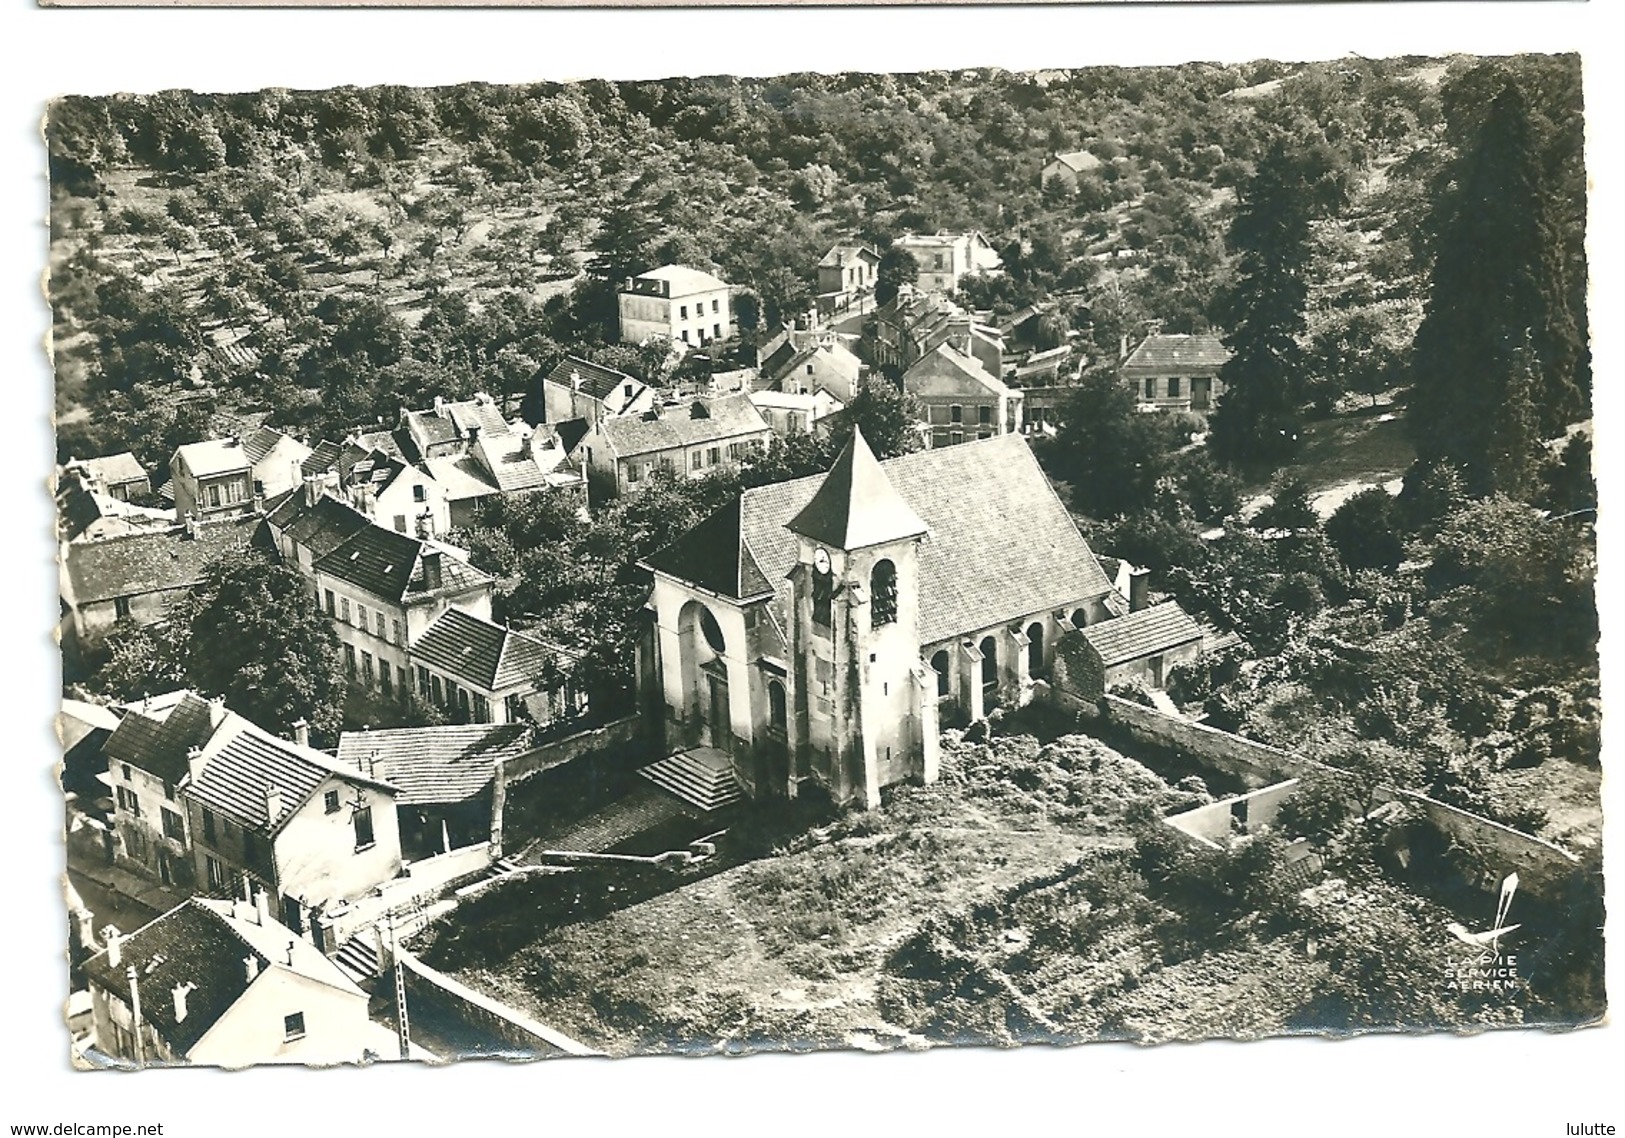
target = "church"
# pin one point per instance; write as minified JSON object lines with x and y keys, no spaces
{"x":818,"y":633}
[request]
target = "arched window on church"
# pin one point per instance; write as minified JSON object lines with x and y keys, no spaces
{"x":1035,"y":648}
{"x":712,"y":632}
{"x":1079,"y":618}
{"x":776,"y":715}
{"x":823,"y":594}
{"x":883,"y":594}
{"x":939,"y":664}
{"x":990,"y":662}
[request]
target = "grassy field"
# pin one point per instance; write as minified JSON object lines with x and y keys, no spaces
{"x":1347,"y":453}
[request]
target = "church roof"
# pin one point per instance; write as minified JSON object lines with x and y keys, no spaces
{"x":1002,"y":545}
{"x":713,"y":556}
{"x":856,"y":505}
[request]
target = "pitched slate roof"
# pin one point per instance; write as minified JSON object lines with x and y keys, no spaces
{"x":713,"y":556}
{"x":598,"y":381}
{"x":436,"y":764}
{"x":1170,"y":350}
{"x":214,"y":456}
{"x":202,"y":943}
{"x":114,"y":469}
{"x":842,"y":254}
{"x":324,"y":458}
{"x":514,"y":466}
{"x":856,"y":506}
{"x":1140,"y":634}
{"x":242,"y":760}
{"x":141,"y":563}
{"x":389,"y":564}
{"x":1078,"y":160}
{"x":683,"y":280}
{"x":485,"y":655}
{"x":1001,"y":544}
{"x":727,"y":417}
{"x":945,"y":370}
{"x":157,"y":740}
{"x":321,"y":527}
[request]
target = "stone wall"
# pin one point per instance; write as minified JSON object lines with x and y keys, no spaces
{"x":1256,"y":764}
{"x":529,"y":1039}
{"x":618,"y":734}
{"x":1217,"y":820}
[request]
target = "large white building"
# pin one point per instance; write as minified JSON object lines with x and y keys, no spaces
{"x":683,"y":305}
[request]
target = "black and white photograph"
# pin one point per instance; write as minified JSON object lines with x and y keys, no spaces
{"x":870,"y":561}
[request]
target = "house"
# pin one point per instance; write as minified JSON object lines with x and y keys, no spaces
{"x":579,"y":389}
{"x":382,"y":590}
{"x":808,"y":362}
{"x":793,"y":413}
{"x":1066,"y":169}
{"x":688,"y":440}
{"x":275,"y":460}
{"x":677,"y":303}
{"x":84,"y":729}
{"x":211,"y":478}
{"x":945,"y":259}
{"x":86,"y":514}
{"x":375,"y":478}
{"x":120,"y":476}
{"x":135,"y":577}
{"x":532,"y":460}
{"x":277,"y":815}
{"x":915,"y":322}
{"x":308,"y":523}
{"x":222,"y":983}
{"x":448,"y":428}
{"x":813,"y":633}
{"x":146,"y":765}
{"x":1176,"y":372}
{"x":445,"y":777}
{"x":483,"y":672}
{"x":959,"y":398}
{"x":845,"y":273}
{"x":1140,"y":647}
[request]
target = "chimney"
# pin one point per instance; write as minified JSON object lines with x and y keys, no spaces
{"x":439,"y":406}
{"x":301,"y":732}
{"x":524,"y":446}
{"x":217,"y":710}
{"x":290,"y":954}
{"x":273,"y":803}
{"x":180,"y":992}
{"x":262,"y":908}
{"x":575,"y":380}
{"x":431,"y":570}
{"x":251,"y":968}
{"x":115,"y":945}
{"x":194,"y":763}
{"x":1139,"y":589}
{"x":1122,"y":347}
{"x":473,"y":433}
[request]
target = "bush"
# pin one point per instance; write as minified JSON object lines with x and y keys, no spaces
{"x":1317,"y":809}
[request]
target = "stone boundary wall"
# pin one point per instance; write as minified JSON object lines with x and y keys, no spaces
{"x":1256,"y":764}
{"x":530,"y":1040}
{"x":1541,"y":866}
{"x":1215,"y":821}
{"x":554,"y":753}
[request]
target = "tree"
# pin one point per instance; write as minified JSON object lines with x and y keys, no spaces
{"x":1498,"y":311}
{"x":1364,"y":531}
{"x":1258,"y":419}
{"x":888,"y":417}
{"x":258,"y":639}
{"x":1110,"y":453}
{"x":897,"y":267}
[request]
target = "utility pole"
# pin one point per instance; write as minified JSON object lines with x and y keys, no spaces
{"x":403,"y":1029}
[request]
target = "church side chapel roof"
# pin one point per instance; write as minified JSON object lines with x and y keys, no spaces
{"x":1140,"y":634}
{"x":1000,"y":545}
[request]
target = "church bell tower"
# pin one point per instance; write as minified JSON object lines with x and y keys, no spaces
{"x":855,"y":633}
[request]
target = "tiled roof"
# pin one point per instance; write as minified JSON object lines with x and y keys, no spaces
{"x":683,"y":280}
{"x":321,"y":527}
{"x":216,"y":456}
{"x":461,"y":477}
{"x":150,"y":562}
{"x":727,"y":417}
{"x":1001,"y":544}
{"x":1202,"y":350}
{"x":389,"y":564}
{"x":476,"y":413}
{"x":597,"y":380}
{"x":428,"y":429}
{"x":516,"y":466}
{"x":945,"y":370}
{"x":381,"y":440}
{"x":243,"y":760}
{"x":436,"y":764}
{"x":115,"y":469}
{"x":487,"y":656}
{"x":79,"y":509}
{"x":856,"y":506}
{"x":1144,"y":633}
{"x":157,"y":740}
{"x":324,"y":458}
{"x":1078,"y":160}
{"x":260,"y":442}
{"x":844,"y":254}
{"x":205,"y":944}
{"x":570,"y":432}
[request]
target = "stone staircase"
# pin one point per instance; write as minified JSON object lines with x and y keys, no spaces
{"x":702,"y":777}
{"x":358,"y":959}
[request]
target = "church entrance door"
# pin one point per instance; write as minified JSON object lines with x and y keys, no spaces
{"x":718,"y":724}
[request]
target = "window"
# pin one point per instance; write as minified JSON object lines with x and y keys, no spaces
{"x":631,"y":472}
{"x":330,"y":802}
{"x":955,"y":437}
{"x":128,"y":802}
{"x":400,"y":680}
{"x":776,"y":717}
{"x":173,"y":828}
{"x":126,"y":769}
{"x":695,"y":460}
{"x":514,"y":708}
{"x":293,"y":1027}
{"x":685,"y":335}
{"x":330,"y":603}
{"x":1151,"y":387}
{"x":208,"y":825}
{"x":420,"y":493}
{"x":883,"y":590}
{"x":214,"y":496}
{"x":121,"y":608}
{"x":936,"y":260}
{"x":349,"y":659}
{"x":361,"y":617}
{"x":482,"y":709}
{"x":434,"y":689}
{"x":362,"y":821}
{"x":682,"y":312}
{"x":716,"y":330}
{"x":395,"y":638}
{"x":714,"y":455}
{"x":400,"y":523}
{"x":1035,"y":648}
{"x":344,"y":609}
{"x":215,"y":872}
{"x":939,"y":664}
{"x":990,"y":662}
{"x":823,"y":589}
{"x":386,"y":683}
{"x":135,"y":843}
{"x":956,"y":414}
{"x":423,"y":681}
{"x":366,"y":668}
{"x":712,"y":631}
{"x":1173,"y":387}
{"x":378,"y":624}
{"x":716,"y":306}
{"x":984,"y":415}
